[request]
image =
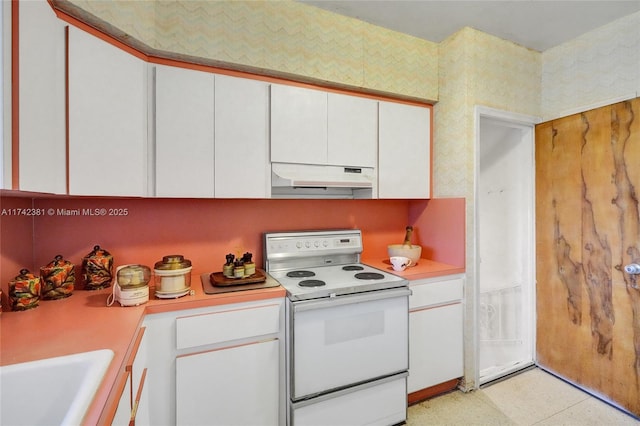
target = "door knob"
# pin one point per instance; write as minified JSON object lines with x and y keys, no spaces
{"x":632,"y":269}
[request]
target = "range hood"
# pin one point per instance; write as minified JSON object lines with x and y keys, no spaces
{"x":319,"y":181}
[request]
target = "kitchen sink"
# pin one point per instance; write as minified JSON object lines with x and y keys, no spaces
{"x":53,"y":390}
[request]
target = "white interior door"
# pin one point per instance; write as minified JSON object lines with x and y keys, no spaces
{"x":505,"y":244}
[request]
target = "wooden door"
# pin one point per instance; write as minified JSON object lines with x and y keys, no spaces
{"x":588,"y":229}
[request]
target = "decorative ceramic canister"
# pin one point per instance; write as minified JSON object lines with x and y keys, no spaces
{"x":97,"y":269}
{"x":24,"y":291}
{"x":58,"y":279}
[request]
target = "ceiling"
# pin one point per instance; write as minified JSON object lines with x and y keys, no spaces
{"x":536,"y":24}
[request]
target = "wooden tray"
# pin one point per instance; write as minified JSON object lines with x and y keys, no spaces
{"x":219,"y":280}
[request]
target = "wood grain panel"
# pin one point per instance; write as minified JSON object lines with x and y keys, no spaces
{"x":588,"y":228}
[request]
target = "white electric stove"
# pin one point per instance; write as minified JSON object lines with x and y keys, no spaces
{"x":346,"y":330}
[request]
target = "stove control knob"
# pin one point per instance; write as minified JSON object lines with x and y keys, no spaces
{"x":325,"y":243}
{"x":299,"y":244}
{"x":316,"y":243}
{"x":307,"y":244}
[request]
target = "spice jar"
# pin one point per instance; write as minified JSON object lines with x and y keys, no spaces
{"x":58,"y":279}
{"x":24,"y":291}
{"x":172,"y":275}
{"x":227,"y":268}
{"x":249,"y":266}
{"x":97,"y":269}
{"x":238,"y":269}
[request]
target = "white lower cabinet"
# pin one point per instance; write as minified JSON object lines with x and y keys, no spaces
{"x":435,"y":332}
{"x":236,"y":385}
{"x":219,"y":365}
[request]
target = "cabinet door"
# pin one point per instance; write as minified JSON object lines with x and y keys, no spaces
{"x":107,"y":119}
{"x":404,"y":163}
{"x":298,"y":125}
{"x":435,"y":349}
{"x":242,"y":138}
{"x":352,"y":131}
{"x":230,"y":386}
{"x":123,"y":411}
{"x":42,"y":158}
{"x":139,"y":391}
{"x":184,"y":133}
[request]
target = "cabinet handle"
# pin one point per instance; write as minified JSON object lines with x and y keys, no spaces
{"x":134,"y":409}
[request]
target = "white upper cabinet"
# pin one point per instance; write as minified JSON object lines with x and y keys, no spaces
{"x":42,"y":128}
{"x":352,"y":130}
{"x":404,"y":151}
{"x":107,"y":119}
{"x":242,"y":138}
{"x":298,"y":125}
{"x":184,"y":133}
{"x":315,"y":127}
{"x":212,"y":135}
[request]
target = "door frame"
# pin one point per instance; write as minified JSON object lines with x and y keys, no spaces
{"x":518,"y":121}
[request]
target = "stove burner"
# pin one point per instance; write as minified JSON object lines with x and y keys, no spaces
{"x":352,"y":268}
{"x":301,"y":274}
{"x":311,"y":283}
{"x":369,"y":276}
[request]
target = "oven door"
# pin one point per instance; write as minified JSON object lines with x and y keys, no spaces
{"x":346,"y":340}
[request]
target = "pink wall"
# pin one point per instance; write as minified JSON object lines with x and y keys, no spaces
{"x":16,"y":240}
{"x":440,"y":228}
{"x":205,"y":230}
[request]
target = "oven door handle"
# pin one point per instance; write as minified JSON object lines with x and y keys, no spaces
{"x":331,"y":302}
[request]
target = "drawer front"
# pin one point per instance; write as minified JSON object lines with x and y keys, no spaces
{"x":222,"y":326}
{"x":433,"y":293}
{"x":376,"y":403}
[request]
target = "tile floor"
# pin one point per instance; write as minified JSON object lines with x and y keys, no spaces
{"x":533,"y":397}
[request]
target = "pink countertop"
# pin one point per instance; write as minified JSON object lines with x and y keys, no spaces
{"x":83,"y":322}
{"x":425,"y":268}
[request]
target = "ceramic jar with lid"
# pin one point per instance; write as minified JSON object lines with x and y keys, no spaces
{"x":172,"y":276}
{"x":58,"y":279}
{"x":24,"y":291}
{"x":97,"y":269}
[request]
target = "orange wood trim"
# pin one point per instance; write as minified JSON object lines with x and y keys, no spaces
{"x":431,"y":163}
{"x":134,"y":349}
{"x":228,"y":298}
{"x":111,"y":406}
{"x":101,"y":35}
{"x":437,"y":306}
{"x":15,"y":95}
{"x":218,"y":70}
{"x":134,"y":408}
{"x":66,"y":105}
{"x":432,"y":391}
{"x":277,"y":80}
{"x":226,"y":347}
